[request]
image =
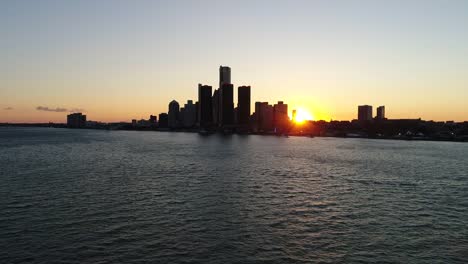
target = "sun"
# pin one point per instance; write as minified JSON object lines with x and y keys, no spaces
{"x":302,"y":115}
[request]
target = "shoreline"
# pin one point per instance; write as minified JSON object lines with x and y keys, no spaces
{"x":460,"y":139}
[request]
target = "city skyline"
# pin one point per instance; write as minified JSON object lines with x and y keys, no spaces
{"x":117,"y":60}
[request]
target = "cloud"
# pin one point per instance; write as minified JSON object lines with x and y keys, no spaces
{"x":47,"y":109}
{"x":8,"y":108}
{"x":59,"y":109}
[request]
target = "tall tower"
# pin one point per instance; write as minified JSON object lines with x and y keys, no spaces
{"x":365,"y":113}
{"x":280,"y":116}
{"x":226,"y":106}
{"x":225,"y":97}
{"x":224,"y":75}
{"x":173,"y":114}
{"x":205,"y":111}
{"x":380,"y":113}
{"x":243,"y":105}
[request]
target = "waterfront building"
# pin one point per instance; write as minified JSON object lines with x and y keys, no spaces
{"x":280,"y":116}
{"x":190,"y":114}
{"x":173,"y":114}
{"x":205,"y":106}
{"x":267,"y":117}
{"x":243,"y":105}
{"x":226,"y":106}
{"x":76,"y":120}
{"x":163,"y":120}
{"x":263,"y":118}
{"x":153,"y":119}
{"x":224,"y":75}
{"x":365,"y":113}
{"x":215,"y":104}
{"x":380,"y":113}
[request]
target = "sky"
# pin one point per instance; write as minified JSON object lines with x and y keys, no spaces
{"x":121,"y":60}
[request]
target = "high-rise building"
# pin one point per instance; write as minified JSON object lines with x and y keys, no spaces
{"x":365,"y":113}
{"x":190,"y":114}
{"x":267,"y":117}
{"x":173,"y":114}
{"x":263,"y":117}
{"x":243,"y":105}
{"x":224,"y":75}
{"x":226,"y":105}
{"x":205,"y":106}
{"x":163,"y":120}
{"x":380,"y":113}
{"x":258,"y":116}
{"x":294,"y":113}
{"x":215,"y":103}
{"x":76,"y":120}
{"x":280,"y":116}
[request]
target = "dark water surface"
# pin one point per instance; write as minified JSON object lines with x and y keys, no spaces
{"x":84,"y":196}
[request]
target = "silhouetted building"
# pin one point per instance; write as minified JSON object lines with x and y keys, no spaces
{"x":226,"y":106}
{"x":190,"y":114}
{"x":153,"y":119}
{"x":76,"y":120}
{"x":380,"y":113}
{"x":294,"y":113}
{"x":173,"y":118}
{"x":163,"y":120}
{"x":243,"y":105}
{"x":224,"y":75}
{"x":365,"y":113}
{"x":215,"y":103}
{"x":280,"y":116}
{"x":267,"y":117}
{"x":205,"y":106}
{"x":257,"y":116}
{"x":263,"y":118}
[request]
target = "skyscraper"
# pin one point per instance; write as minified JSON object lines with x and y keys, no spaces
{"x":280,"y":116}
{"x":163,"y":120}
{"x":190,"y":114}
{"x":205,"y":114}
{"x":243,"y":105}
{"x":263,"y":117}
{"x":173,"y":118}
{"x":215,"y":103}
{"x":226,"y":106}
{"x":380,"y":113}
{"x":224,"y":75}
{"x":267,"y":117}
{"x":365,"y":113}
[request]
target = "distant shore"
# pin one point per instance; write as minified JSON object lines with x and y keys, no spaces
{"x":463,"y":138}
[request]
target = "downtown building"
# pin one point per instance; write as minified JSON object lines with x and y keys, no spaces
{"x":163,"y":120}
{"x":189,"y":114}
{"x":223,"y":99}
{"x":365,"y":113}
{"x":263,"y":117}
{"x":205,"y":106}
{"x":243,"y":107}
{"x":380,"y":113}
{"x":280,"y":117}
{"x":173,"y":114}
{"x":76,"y":120}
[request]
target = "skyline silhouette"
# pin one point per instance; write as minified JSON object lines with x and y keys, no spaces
{"x":123,"y":60}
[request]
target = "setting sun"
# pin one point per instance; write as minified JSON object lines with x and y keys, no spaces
{"x":302,"y":115}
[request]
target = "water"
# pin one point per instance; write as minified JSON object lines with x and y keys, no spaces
{"x":84,"y":196}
